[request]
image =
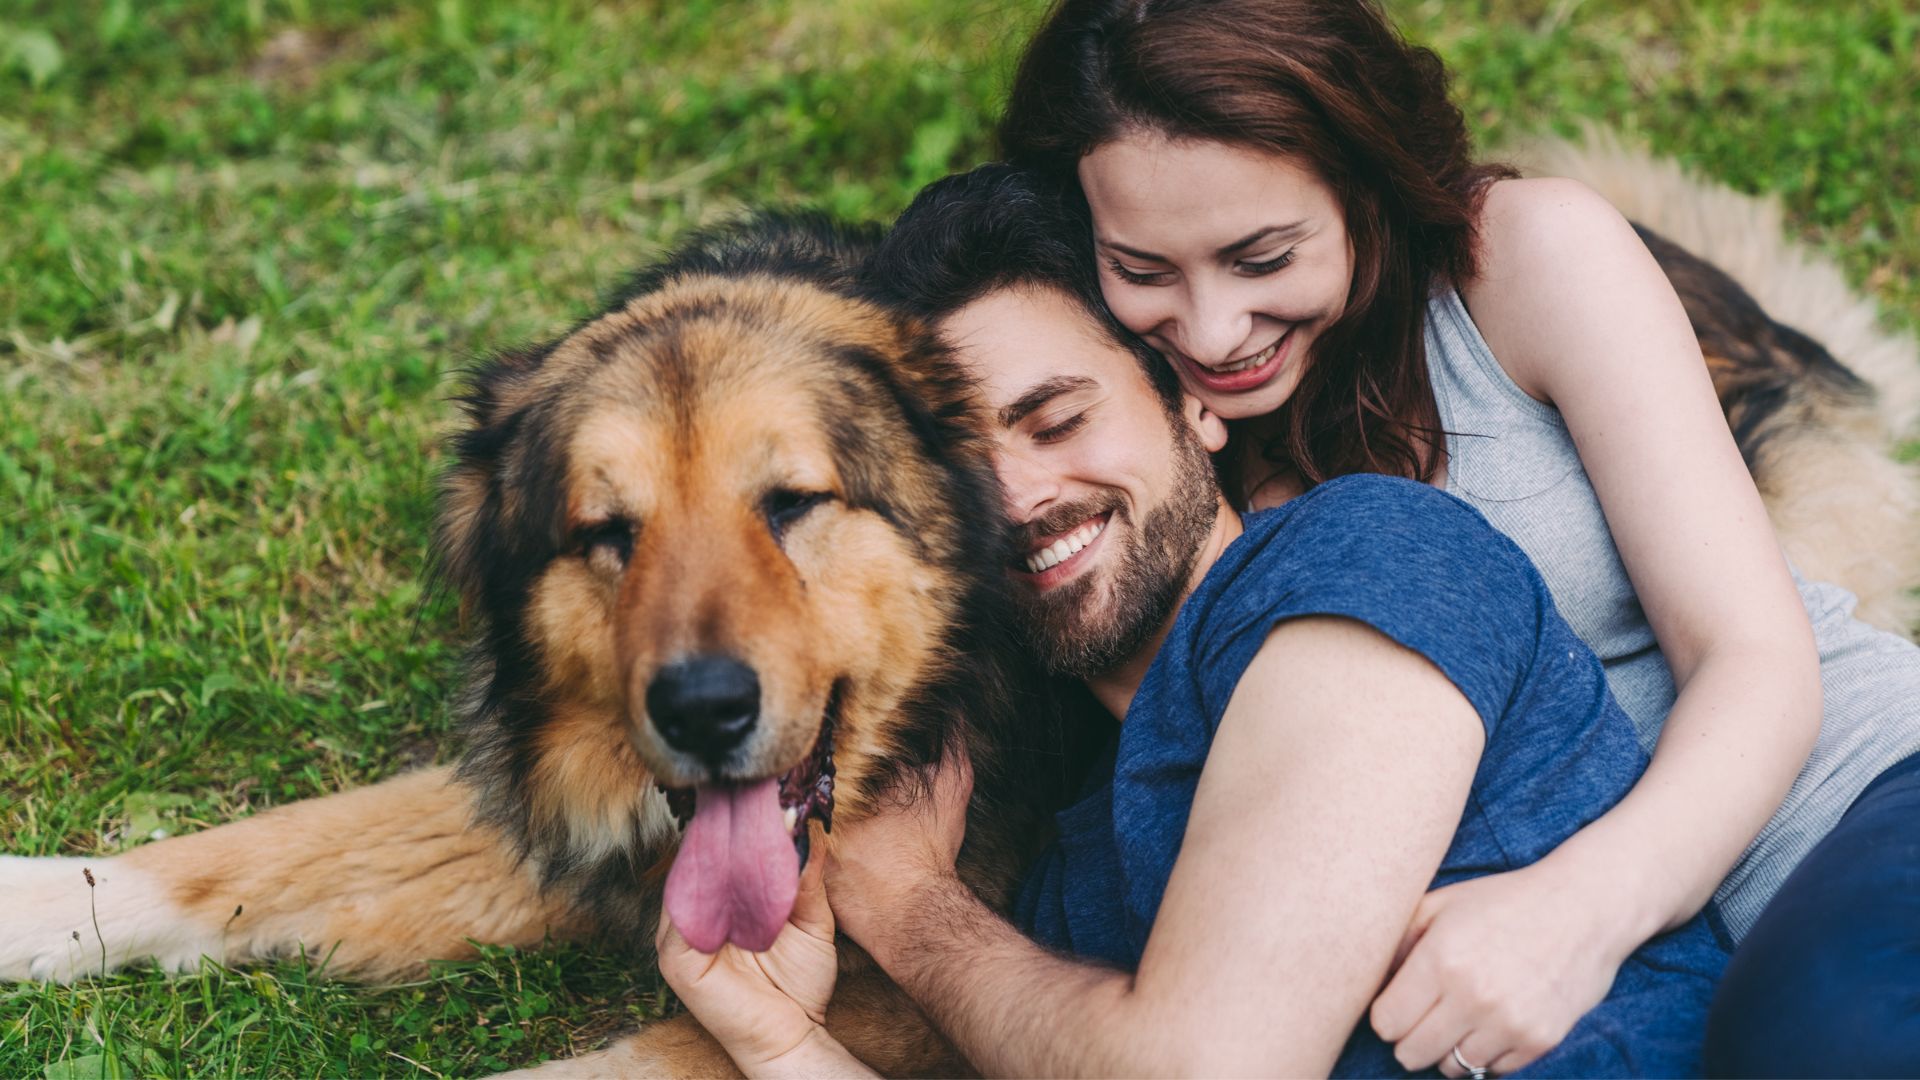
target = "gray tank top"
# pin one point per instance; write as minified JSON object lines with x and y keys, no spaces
{"x":1512,"y":458}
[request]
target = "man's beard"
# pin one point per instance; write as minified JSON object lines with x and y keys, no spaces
{"x":1080,"y":633}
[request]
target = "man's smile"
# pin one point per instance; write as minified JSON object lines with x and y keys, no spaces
{"x":1055,"y":559}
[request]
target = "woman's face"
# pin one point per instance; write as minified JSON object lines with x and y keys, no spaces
{"x":1230,"y":261}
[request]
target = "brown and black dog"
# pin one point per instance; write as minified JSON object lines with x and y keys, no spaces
{"x":734,"y":548}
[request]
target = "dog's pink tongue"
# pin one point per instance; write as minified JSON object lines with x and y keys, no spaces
{"x":737,"y":873}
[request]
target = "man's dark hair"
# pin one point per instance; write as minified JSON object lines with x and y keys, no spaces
{"x":999,"y":227}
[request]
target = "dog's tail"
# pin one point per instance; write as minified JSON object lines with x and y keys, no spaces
{"x":1846,"y":510}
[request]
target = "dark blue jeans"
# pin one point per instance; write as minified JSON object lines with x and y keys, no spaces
{"x":1828,"y":981}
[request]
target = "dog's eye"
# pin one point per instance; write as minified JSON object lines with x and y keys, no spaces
{"x":783,"y":508}
{"x":610,"y":540}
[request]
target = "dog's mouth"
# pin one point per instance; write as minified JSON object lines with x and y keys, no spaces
{"x":743,"y":845}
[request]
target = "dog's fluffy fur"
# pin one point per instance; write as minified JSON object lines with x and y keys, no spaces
{"x":739,"y":456}
{"x":644,"y":488}
{"x":1846,"y":510}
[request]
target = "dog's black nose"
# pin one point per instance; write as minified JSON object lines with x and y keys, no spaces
{"x":705,"y":706}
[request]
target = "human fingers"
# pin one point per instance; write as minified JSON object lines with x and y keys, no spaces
{"x":664,"y":935}
{"x":1470,"y":1052}
{"x":1423,"y":915}
{"x":680,"y":963}
{"x":1431,"y":1040}
{"x":811,"y":912}
{"x":1408,"y":997}
{"x":1519,"y":1057}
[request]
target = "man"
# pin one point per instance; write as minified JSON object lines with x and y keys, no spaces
{"x":1325,"y":711}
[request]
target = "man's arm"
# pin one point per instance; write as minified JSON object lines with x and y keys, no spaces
{"x":1333,"y":787}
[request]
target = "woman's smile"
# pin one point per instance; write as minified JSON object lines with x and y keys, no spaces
{"x":1243,"y":374}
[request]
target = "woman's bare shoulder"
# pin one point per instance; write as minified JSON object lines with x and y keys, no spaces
{"x":1548,"y":247}
{"x":1545,"y":223}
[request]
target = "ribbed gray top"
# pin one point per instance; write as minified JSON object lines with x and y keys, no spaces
{"x":1512,"y":458}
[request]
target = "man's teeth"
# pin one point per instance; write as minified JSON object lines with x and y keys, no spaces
{"x":1064,"y":548}
{"x":1253,"y":361}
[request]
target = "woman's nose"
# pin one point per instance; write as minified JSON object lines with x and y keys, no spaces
{"x":1215,"y":325}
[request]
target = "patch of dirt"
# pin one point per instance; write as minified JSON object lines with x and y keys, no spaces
{"x":292,"y":59}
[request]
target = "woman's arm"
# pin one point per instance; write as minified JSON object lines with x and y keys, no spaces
{"x":1580,"y":316}
{"x":1573,"y":301}
{"x":1333,"y":787}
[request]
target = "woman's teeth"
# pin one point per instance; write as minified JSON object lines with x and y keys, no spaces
{"x":1253,"y":361}
{"x":1064,"y":548}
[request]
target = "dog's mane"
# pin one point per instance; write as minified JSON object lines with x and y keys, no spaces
{"x":987,"y":695}
{"x":800,"y":244}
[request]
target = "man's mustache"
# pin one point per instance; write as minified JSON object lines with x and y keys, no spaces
{"x":1024,"y":537}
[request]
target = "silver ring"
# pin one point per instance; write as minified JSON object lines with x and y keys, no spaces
{"x":1474,"y":1072}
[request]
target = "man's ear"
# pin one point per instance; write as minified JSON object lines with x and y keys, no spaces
{"x":1211,"y":429}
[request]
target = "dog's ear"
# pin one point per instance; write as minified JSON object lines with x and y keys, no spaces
{"x":498,"y":393}
{"x":497,"y":387}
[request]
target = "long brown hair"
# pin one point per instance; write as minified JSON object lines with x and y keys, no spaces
{"x":1329,"y":83}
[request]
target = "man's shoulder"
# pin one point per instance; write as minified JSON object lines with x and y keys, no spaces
{"x":1410,"y":561}
{"x":1377,"y":548}
{"x":1367,"y":517}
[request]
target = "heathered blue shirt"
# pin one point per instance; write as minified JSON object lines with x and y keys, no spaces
{"x":1428,"y":571}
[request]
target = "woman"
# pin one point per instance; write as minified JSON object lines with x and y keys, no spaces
{"x":1282,"y":203}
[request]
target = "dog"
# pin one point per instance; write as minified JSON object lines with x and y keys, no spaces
{"x":734,"y":544}
{"x":731,"y":543}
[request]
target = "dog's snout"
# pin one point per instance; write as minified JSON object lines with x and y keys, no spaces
{"x":706,"y":706}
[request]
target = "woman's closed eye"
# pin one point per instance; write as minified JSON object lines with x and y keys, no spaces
{"x":1136,"y":277}
{"x":1249,"y":267}
{"x":1266,"y":266}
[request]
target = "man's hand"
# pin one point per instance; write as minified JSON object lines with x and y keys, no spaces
{"x":767,"y":1009}
{"x":1501,"y":967}
{"x":877,"y":865}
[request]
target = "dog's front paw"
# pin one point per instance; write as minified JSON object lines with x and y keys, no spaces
{"x":677,"y":1046}
{"x":63,"y":918}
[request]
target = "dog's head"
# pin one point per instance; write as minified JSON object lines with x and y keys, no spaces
{"x":720,"y":535}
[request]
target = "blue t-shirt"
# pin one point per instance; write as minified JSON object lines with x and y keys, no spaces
{"x":1426,"y":570}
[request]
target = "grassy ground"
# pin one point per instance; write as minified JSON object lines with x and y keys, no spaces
{"x":244,"y":244}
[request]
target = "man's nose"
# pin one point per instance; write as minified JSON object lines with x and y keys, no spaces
{"x":1027,"y":484}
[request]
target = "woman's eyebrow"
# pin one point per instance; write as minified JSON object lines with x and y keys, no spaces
{"x":1268,"y":232}
{"x":1144,"y":256}
{"x":1271,"y":232}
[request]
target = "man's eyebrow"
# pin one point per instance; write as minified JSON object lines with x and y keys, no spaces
{"x":1269,"y":232}
{"x":1026,"y":404}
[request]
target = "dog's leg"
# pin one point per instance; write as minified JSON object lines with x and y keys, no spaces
{"x":869,"y":1015}
{"x":674,"y":1047}
{"x":376,"y":880}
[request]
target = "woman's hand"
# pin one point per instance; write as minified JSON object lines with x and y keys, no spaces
{"x":876,"y":865}
{"x":1500,"y":967}
{"x":768,"y":1008}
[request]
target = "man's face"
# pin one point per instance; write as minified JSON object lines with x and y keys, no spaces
{"x":1110,"y":496}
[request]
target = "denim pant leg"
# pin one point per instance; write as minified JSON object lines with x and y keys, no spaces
{"x":1828,"y":981}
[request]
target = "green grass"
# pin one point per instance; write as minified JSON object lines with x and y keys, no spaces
{"x":245,"y":245}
